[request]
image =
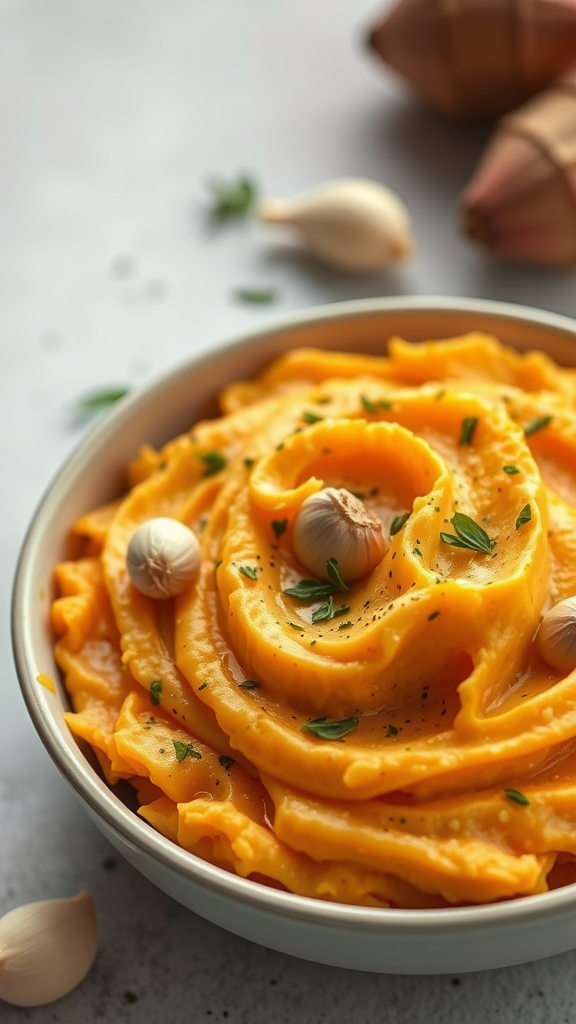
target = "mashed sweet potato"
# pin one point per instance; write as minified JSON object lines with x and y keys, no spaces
{"x":441,"y":764}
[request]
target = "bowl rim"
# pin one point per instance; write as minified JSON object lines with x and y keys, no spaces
{"x":104,"y":803}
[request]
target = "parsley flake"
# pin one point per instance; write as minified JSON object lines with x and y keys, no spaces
{"x":231,"y":198}
{"x":517,"y":797}
{"x":469,"y":424}
{"x":310,"y":590}
{"x":311,"y":417}
{"x":345,"y":625}
{"x":341,"y":610}
{"x":155,"y":691}
{"x":540,"y":423}
{"x":398,"y":522}
{"x":392,"y":730}
{"x":248,"y":462}
{"x":524,"y":516}
{"x":204,"y":685}
{"x":184,"y":750}
{"x":250,"y":571}
{"x":226,"y":762}
{"x":469,"y":534}
{"x":511,"y":470}
{"x":257,"y":296}
{"x":97,"y":400}
{"x":334,"y":575}
{"x":416,"y":551}
{"x":213,"y":462}
{"x":249,"y":684}
{"x":326,"y":730}
{"x":325,"y":611}
{"x":368,"y":405}
{"x":279,"y":526}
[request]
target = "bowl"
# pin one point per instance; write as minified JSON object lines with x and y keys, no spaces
{"x":448,"y":940}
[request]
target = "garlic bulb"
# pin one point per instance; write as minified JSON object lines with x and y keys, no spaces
{"x":335,"y":524}
{"x":352,"y":223}
{"x":163,"y":557}
{"x":46,"y":949}
{"x":556,"y":638}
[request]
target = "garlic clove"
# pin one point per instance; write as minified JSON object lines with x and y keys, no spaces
{"x":351,"y":223}
{"x":46,"y":949}
{"x":163,"y":557}
{"x":556,"y":638}
{"x":333,"y":523}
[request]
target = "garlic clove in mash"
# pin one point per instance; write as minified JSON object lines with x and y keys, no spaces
{"x":163,"y":557}
{"x":353,"y":223}
{"x":46,"y":949}
{"x":334,"y":524}
{"x":556,"y":637}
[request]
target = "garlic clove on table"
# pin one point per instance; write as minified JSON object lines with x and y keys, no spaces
{"x":163,"y":557}
{"x":334,"y":524}
{"x":46,"y":949}
{"x":352,"y":223}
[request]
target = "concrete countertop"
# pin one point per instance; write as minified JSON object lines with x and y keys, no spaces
{"x":112,"y":118}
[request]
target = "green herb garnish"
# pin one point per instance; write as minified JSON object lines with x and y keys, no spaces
{"x":155,"y":691}
{"x":249,"y":684}
{"x":385,"y":403}
{"x":469,"y":424}
{"x":279,"y":526}
{"x":368,"y":405}
{"x":398,"y":522}
{"x":325,"y":611}
{"x":257,"y":296}
{"x":310,"y":590}
{"x":311,"y":417}
{"x":432,"y":616}
{"x":511,"y":470}
{"x":524,"y":516}
{"x":203,"y":685}
{"x":469,"y":534}
{"x":97,"y":400}
{"x":341,"y":610}
{"x":213,"y":462}
{"x":184,"y":750}
{"x":517,"y":797}
{"x":540,"y":423}
{"x":248,"y":462}
{"x":334,"y":575}
{"x":326,"y":730}
{"x":392,"y":730}
{"x":294,"y":626}
{"x":416,"y":551}
{"x":231,"y":198}
{"x":345,"y":625}
{"x":250,"y":571}
{"x":226,"y":762}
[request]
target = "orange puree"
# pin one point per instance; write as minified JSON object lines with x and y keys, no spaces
{"x":443,"y":770}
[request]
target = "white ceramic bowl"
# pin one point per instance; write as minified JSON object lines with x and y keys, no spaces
{"x":390,"y":941}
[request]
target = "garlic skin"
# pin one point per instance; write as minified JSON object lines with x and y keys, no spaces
{"x":46,"y":949}
{"x":335,"y":524}
{"x":163,"y":558}
{"x":556,"y":638}
{"x":352,"y":223}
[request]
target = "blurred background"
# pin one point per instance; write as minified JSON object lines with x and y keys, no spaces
{"x":114,"y":117}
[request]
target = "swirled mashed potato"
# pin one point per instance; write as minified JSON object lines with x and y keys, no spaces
{"x":447,"y":773}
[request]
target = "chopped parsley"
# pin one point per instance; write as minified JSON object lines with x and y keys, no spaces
{"x":398,"y":522}
{"x":341,"y":610}
{"x":250,"y":571}
{"x":294,"y":626}
{"x":345,"y":625}
{"x":249,"y":684}
{"x":226,"y":762}
{"x":326,"y":730}
{"x":368,"y":405}
{"x":517,"y":797}
{"x":469,"y":424}
{"x":325,"y":611}
{"x":469,"y":534}
{"x":184,"y":750}
{"x":310,"y":590}
{"x":155,"y":691}
{"x":231,"y":199}
{"x":248,"y":462}
{"x":511,"y":470}
{"x":213,"y":462}
{"x":416,"y":551}
{"x":311,"y":417}
{"x":334,"y":575}
{"x":204,"y":685}
{"x":524,"y":516}
{"x":97,"y":400}
{"x":540,"y":423}
{"x":257,"y":296}
{"x":279,"y":526}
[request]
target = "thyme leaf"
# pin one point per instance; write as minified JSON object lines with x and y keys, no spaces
{"x":257,"y":296}
{"x":250,"y":571}
{"x":311,"y":417}
{"x":540,"y":423}
{"x":334,"y":575}
{"x":524,"y":516}
{"x":511,"y":470}
{"x":249,"y":684}
{"x":517,"y":797}
{"x":325,"y":611}
{"x":155,"y":691}
{"x":398,"y":522}
{"x":469,"y":424}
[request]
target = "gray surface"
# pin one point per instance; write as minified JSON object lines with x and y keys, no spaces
{"x":112,"y":116}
